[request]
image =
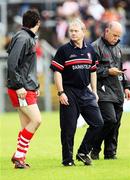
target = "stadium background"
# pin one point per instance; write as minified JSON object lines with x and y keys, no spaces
{"x":55,"y":15}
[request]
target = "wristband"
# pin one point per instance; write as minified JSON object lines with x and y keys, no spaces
{"x":60,"y":93}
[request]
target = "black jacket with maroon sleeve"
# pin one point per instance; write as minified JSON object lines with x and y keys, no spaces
{"x":22,"y":61}
{"x":110,"y":88}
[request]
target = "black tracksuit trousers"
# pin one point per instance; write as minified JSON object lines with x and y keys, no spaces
{"x":111,"y":113}
{"x":84,"y":102}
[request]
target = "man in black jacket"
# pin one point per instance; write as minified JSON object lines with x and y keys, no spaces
{"x":22,"y":83}
{"x":111,"y":87}
{"x":74,"y":67}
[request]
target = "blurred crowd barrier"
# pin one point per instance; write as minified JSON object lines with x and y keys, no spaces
{"x":48,"y":99}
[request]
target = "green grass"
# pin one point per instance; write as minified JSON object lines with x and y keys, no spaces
{"x":44,"y":155}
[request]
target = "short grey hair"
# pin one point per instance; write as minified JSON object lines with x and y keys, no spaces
{"x":77,"y":22}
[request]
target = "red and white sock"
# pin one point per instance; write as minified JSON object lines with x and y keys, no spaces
{"x":24,"y":138}
{"x":20,"y":154}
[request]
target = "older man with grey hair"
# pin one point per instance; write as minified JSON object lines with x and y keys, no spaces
{"x":112,"y":85}
{"x":74,"y":67}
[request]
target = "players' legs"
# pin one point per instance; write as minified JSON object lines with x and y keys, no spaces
{"x":24,"y":120}
{"x":111,"y":141}
{"x":92,"y":116}
{"x":30,"y":119}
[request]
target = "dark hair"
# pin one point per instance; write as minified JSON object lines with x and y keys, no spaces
{"x":30,"y":18}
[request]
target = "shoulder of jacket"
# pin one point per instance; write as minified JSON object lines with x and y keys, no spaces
{"x":23,"y":34}
{"x":97,"y":41}
{"x":98,"y":44}
{"x":63,"y":47}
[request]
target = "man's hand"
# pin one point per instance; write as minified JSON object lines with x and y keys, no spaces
{"x":21,"y":93}
{"x":127,"y":94}
{"x":63,"y":99}
{"x":115,"y":71}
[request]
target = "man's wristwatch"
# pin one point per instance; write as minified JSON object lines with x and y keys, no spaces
{"x":60,"y":93}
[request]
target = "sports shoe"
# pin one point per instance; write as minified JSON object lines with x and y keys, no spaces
{"x":110,"y":157}
{"x":19,"y":163}
{"x":94,"y":155}
{"x":71,"y":163}
{"x":84,"y":158}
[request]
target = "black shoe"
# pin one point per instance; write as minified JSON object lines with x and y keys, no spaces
{"x":110,"y":157}
{"x":94,"y":155}
{"x":84,"y":158}
{"x":69,"y":163}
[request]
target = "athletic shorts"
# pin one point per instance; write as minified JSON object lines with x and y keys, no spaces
{"x":31,"y":98}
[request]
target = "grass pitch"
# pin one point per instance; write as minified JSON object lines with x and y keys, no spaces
{"x":44,"y":154}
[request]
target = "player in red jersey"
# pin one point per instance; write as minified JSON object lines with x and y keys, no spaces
{"x":22,"y":83}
